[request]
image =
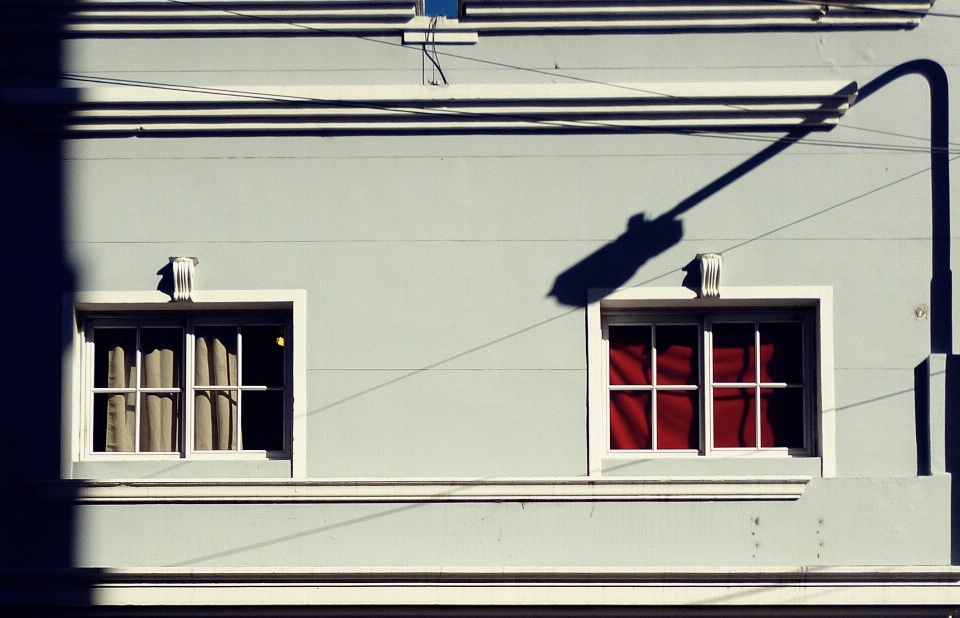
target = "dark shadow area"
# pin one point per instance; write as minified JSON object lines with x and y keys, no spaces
{"x":952,"y":448}
{"x":37,"y":284}
{"x":921,"y":401}
{"x":615,"y":263}
{"x":166,"y":284}
{"x":941,"y":283}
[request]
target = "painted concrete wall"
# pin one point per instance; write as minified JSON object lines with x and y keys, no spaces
{"x":433,"y":348}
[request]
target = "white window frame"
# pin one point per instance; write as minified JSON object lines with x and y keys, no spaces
{"x":639,"y":305}
{"x":146,"y":309}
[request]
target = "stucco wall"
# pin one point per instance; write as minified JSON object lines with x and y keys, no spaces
{"x":433,"y":349}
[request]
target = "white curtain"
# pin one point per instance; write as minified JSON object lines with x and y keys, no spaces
{"x":215,"y":411}
{"x":159,"y":412}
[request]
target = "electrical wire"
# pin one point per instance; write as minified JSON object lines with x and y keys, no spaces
{"x":870,"y":8}
{"x":433,"y":113}
{"x":585,"y":124}
{"x":552,"y":74}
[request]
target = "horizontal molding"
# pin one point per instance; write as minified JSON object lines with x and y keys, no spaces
{"x":346,"y":17}
{"x":584,"y":108}
{"x":208,"y":17}
{"x":548,"y":589}
{"x":515,"y":16}
{"x":282,"y":491}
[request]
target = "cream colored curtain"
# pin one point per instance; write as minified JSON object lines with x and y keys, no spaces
{"x":215,"y":411}
{"x":159,"y":421}
{"x":121,"y":407}
{"x":159,"y":412}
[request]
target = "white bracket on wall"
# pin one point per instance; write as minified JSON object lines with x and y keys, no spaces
{"x":710,"y":265}
{"x":183,"y":271}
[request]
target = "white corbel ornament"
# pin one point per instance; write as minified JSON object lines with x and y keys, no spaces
{"x":183,"y":271}
{"x":710,"y":265}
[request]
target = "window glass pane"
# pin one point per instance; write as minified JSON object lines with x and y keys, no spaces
{"x":160,"y":422}
{"x":630,"y":420}
{"x":781,"y":417}
{"x":114,"y":418}
{"x":781,"y":352}
{"x":262,"y":420}
{"x":160,"y":351}
{"x":677,"y":354}
{"x":678,"y":419}
{"x":262,"y":355}
{"x":734,"y":418}
{"x":629,"y":354}
{"x":216,"y":356}
{"x":115,"y":357}
{"x":215,"y":421}
{"x":733,"y":353}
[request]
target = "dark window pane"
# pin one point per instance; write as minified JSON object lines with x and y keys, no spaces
{"x":677,"y":354}
{"x":629,"y":355}
{"x":781,"y":352}
{"x":160,"y":423}
{"x":161,"y":350}
{"x":733,"y":353}
{"x":630,"y":420}
{"x":781,"y":417}
{"x":678,"y":419}
{"x":262,"y":355}
{"x":100,"y":422}
{"x":734,"y":418}
{"x":115,"y":357}
{"x":215,"y":359}
{"x":262,"y":420}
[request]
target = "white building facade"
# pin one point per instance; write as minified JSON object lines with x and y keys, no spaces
{"x":566,"y":307}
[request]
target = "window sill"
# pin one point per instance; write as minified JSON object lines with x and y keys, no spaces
{"x":280,"y":491}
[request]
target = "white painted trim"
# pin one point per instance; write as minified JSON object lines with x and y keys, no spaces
{"x":470,"y":108}
{"x":732,"y":297}
{"x":559,"y":489}
{"x":505,"y":16}
{"x":857,"y":589}
{"x":203,"y":300}
{"x":318,"y":18}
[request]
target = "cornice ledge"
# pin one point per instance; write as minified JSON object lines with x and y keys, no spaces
{"x":460,"y":109}
{"x":161,"y":18}
{"x":571,"y":16}
{"x":840,"y":591}
{"x":565,"y":489}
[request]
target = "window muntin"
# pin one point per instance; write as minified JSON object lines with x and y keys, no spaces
{"x":709,"y":382}
{"x":195,"y":386}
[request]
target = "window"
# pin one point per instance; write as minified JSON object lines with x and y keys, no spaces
{"x":440,"y":8}
{"x":189,"y":386}
{"x":678,"y":376}
{"x":191,"y":381}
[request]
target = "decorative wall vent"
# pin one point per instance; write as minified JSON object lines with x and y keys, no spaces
{"x":543,"y":108}
{"x":710,"y":266}
{"x":183,"y":270}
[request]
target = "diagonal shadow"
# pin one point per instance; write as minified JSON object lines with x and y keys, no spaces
{"x":615,"y":263}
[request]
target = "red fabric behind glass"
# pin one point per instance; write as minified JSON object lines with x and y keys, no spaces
{"x":629,"y":355}
{"x":677,"y":354}
{"x":734,"y":418}
{"x":630,"y":420}
{"x":677,"y":420}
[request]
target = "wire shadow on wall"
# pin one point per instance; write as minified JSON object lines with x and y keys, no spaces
{"x":615,"y":263}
